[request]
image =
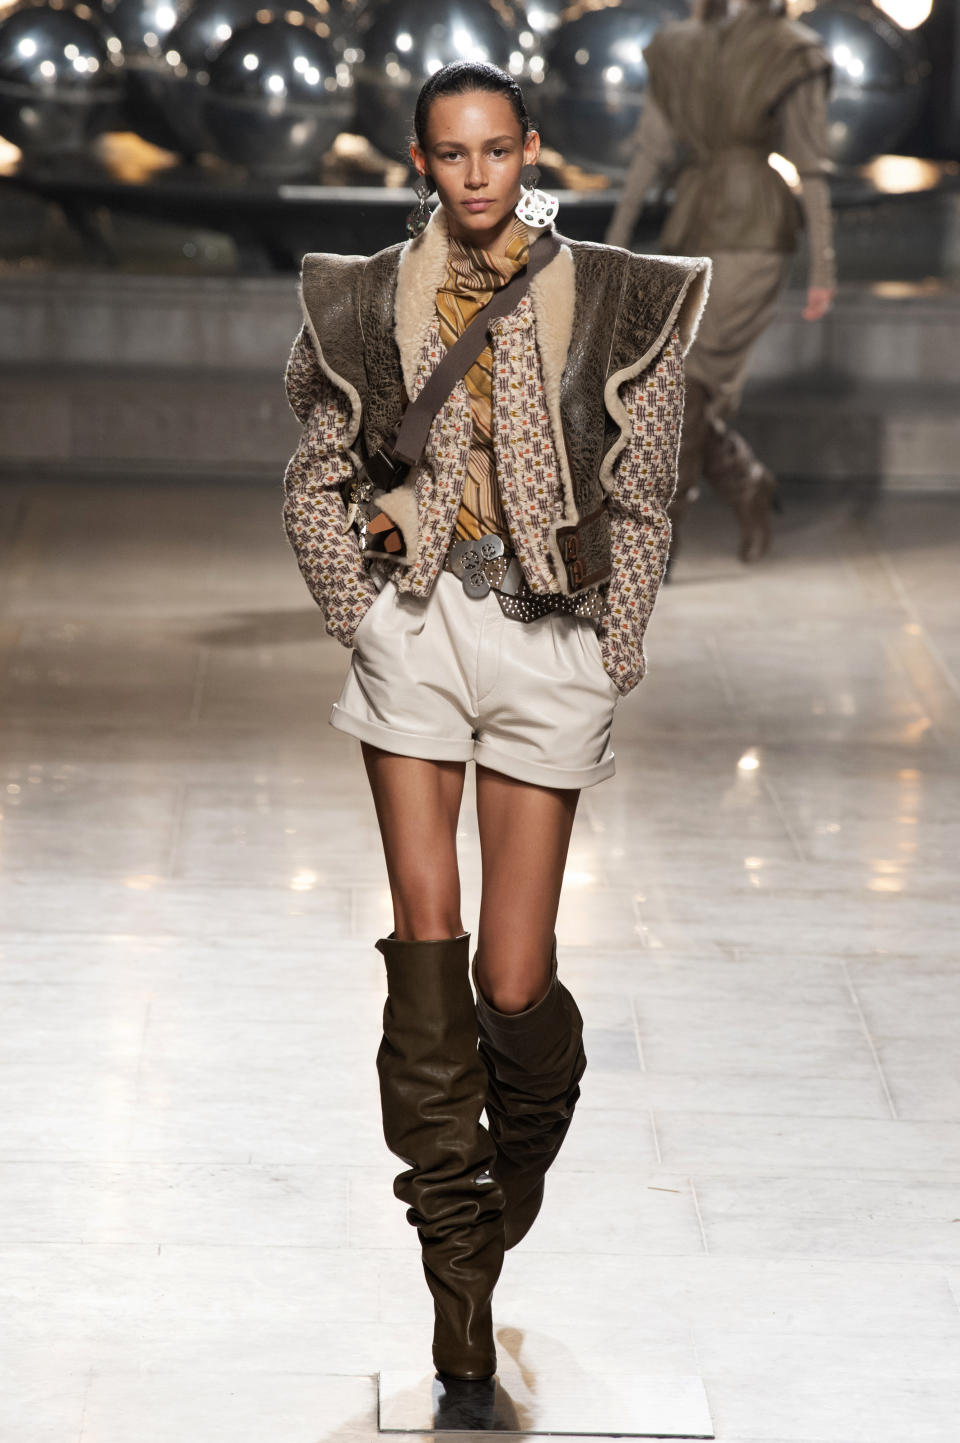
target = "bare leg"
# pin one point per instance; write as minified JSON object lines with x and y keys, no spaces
{"x":417,"y":804}
{"x":433,"y":1083}
{"x":524,"y":837}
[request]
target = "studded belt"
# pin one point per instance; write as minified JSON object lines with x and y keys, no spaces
{"x":485,"y":565}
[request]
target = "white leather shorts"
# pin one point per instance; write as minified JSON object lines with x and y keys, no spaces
{"x":451,"y":678}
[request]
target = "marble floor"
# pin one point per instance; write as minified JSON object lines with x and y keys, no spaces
{"x":198,"y":1239}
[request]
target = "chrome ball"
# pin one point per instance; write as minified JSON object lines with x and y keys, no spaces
{"x":174,"y":91}
{"x":202,"y":33}
{"x":403,"y":42}
{"x":879,"y":81}
{"x":596,"y":77}
{"x":168,"y":97}
{"x":59,"y":87}
{"x":277,"y":98}
{"x":142,"y":25}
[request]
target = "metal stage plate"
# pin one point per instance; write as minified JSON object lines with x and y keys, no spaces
{"x":554,"y":1401}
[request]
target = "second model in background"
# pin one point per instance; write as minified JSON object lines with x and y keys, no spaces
{"x":727,"y":88}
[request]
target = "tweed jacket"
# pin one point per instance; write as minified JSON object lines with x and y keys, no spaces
{"x":585,"y":486}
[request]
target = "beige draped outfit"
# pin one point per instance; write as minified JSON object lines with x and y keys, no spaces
{"x":723,"y":95}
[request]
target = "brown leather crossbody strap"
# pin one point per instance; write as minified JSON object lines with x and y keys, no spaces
{"x":418,"y":417}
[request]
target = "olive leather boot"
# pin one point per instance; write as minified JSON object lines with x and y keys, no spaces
{"x":433,"y":1086}
{"x":534,"y":1060}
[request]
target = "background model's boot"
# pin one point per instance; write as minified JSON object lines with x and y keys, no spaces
{"x":749,"y":486}
{"x":433,"y":1086}
{"x":534,"y":1061}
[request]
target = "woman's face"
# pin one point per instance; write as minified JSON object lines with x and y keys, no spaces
{"x":474,"y":151}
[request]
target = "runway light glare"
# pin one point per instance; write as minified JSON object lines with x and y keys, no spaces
{"x":786,"y":168}
{"x":629,"y":51}
{"x":902,"y":174}
{"x":748,"y":762}
{"x":908,"y":14}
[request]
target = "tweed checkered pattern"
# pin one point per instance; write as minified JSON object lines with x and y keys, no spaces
{"x":643,"y":484}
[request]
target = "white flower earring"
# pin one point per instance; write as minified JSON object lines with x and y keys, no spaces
{"x":535,"y":208}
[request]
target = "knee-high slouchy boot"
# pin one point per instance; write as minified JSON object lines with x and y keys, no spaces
{"x":535,"y":1060}
{"x":433,"y":1086}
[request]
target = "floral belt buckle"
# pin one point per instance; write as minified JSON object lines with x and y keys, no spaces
{"x":467,"y":560}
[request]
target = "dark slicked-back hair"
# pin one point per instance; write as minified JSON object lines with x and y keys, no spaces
{"x":461,"y":78}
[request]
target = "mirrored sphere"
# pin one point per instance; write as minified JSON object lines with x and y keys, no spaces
{"x":277,"y":98}
{"x":596,"y":76}
{"x":166,"y":99}
{"x":169,"y":93}
{"x":142,"y":25}
{"x":879,"y":79}
{"x":201,"y":34}
{"x":58,"y":85}
{"x":403,"y":42}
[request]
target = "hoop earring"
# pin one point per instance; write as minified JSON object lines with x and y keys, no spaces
{"x":418,"y":217}
{"x":536,"y":208}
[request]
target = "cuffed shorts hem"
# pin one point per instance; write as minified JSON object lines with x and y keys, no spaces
{"x":404,"y":744}
{"x":539,"y":773}
{"x":451,"y":679}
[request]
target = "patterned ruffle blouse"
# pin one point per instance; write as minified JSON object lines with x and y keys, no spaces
{"x":473,"y":275}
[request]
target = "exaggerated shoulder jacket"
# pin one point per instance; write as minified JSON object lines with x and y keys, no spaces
{"x":587,"y":404}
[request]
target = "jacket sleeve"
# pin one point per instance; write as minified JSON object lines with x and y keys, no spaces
{"x":655,"y":153}
{"x":314,"y":515}
{"x":803,"y":140}
{"x":644,"y":481}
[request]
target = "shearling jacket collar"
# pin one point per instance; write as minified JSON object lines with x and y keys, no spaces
{"x":420,"y":274}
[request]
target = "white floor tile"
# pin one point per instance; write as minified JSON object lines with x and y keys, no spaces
{"x":198,"y":1235}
